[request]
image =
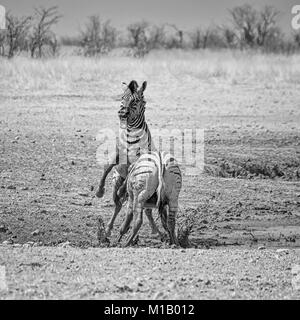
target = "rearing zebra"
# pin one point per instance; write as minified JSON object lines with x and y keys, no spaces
{"x":134,"y":140}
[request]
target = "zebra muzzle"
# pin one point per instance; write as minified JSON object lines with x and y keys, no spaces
{"x":123,"y":123}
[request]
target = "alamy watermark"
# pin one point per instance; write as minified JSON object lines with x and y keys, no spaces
{"x":296,"y":17}
{"x":186,"y":146}
{"x":2,"y":18}
{"x":3,"y":283}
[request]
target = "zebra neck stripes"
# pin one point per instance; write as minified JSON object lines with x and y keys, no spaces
{"x":135,"y":141}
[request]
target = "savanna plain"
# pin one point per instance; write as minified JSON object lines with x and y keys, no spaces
{"x":243,"y":208}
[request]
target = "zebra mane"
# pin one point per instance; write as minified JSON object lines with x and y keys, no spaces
{"x":133,"y":96}
{"x":131,"y":92}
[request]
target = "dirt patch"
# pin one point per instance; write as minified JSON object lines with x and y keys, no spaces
{"x":72,"y":273}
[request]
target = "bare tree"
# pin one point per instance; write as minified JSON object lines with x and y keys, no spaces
{"x":245,"y":19}
{"x":196,"y":38}
{"x":109,"y":36}
{"x":17,"y":31}
{"x":296,"y":37}
{"x":157,"y":37}
{"x":144,"y":37}
{"x":136,"y":32}
{"x":275,"y":42}
{"x":42,"y":35}
{"x":206,"y":38}
{"x":53,"y":45}
{"x":229,"y":36}
{"x":254,"y":27}
{"x":91,"y":36}
{"x":200,"y":38}
{"x":138,"y":39}
{"x":206,"y":35}
{"x":2,"y":42}
{"x":178,"y":41}
{"x":97,"y":37}
{"x":266,"y":25}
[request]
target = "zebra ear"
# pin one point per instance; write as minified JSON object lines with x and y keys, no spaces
{"x":144,"y":85}
{"x":143,"y":88}
{"x":133,"y":86}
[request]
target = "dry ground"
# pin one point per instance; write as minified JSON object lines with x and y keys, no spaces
{"x":146,"y":273}
{"x":248,"y":197}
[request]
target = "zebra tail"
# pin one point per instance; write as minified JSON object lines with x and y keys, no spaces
{"x":161,"y":186}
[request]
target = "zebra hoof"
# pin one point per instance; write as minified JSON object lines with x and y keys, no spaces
{"x":100,"y":192}
{"x":107,"y":233}
{"x":136,"y":240}
{"x":164,"y":237}
{"x":105,"y":241}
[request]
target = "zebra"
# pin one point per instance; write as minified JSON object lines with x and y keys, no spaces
{"x":134,"y":140}
{"x":154,"y":181}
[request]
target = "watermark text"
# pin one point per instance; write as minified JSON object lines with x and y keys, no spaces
{"x":186,"y":146}
{"x":296,"y":17}
{"x":2,"y":18}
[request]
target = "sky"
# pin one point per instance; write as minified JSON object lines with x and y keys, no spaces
{"x":186,"y":14}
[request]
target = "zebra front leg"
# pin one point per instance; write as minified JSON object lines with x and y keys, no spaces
{"x":138,"y":220}
{"x":114,"y":160}
{"x":117,"y":183}
{"x":101,"y":189}
{"x":163,"y":212}
{"x":123,"y":189}
{"x":171,"y":223}
{"x":154,"y":228}
{"x":126,"y":224}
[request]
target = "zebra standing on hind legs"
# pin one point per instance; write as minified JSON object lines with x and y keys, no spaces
{"x":134,"y":140}
{"x":154,"y":181}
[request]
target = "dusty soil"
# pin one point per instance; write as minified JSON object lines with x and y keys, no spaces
{"x":248,"y":196}
{"x":145,"y":273}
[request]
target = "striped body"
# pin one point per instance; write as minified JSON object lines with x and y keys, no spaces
{"x":134,"y":135}
{"x":172,"y":178}
{"x":154,"y":176}
{"x":132,"y":143}
{"x":134,"y":139}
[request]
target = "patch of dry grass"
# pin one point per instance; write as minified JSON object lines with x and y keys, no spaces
{"x":67,"y":72}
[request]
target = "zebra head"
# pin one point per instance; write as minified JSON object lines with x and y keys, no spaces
{"x":132,"y":108}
